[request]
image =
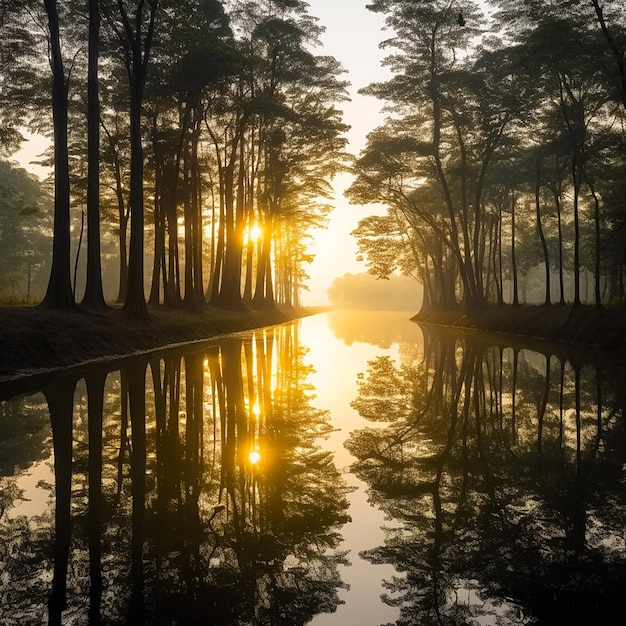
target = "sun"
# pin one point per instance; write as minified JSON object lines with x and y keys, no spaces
{"x":254,"y":457}
{"x":255,"y":232}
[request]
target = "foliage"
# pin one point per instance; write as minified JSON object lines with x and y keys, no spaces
{"x":24,"y":229}
{"x":497,"y":124}
{"x":226,"y":116}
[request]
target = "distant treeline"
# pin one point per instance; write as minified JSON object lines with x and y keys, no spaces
{"x":364,"y":290}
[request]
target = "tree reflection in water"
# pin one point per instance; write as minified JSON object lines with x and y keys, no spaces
{"x":160,"y":515}
{"x":503,"y":472}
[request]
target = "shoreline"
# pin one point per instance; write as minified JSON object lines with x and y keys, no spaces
{"x":36,"y":342}
{"x":585,"y":326}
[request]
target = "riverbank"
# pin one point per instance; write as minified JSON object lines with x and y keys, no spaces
{"x":586,"y":326}
{"x":35,"y":341}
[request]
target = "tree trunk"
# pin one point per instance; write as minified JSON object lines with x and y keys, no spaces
{"x":230,"y":289}
{"x":59,"y":293}
{"x":500,"y":268}
{"x":159,"y":268}
{"x":196,"y":207}
{"x":93,"y":297}
{"x":263,"y":290}
{"x":513,"y":257}
{"x":577,"y":300}
{"x":122,"y":219}
{"x":542,"y":237}
{"x":137,"y":45}
{"x":596,"y":221}
{"x":172,"y":286}
{"x":135,"y":303}
{"x":159,"y":275}
{"x":557,"y":201}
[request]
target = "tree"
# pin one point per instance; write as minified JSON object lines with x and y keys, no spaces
{"x":463,"y":98}
{"x":24,"y":237}
{"x":134,"y":26}
{"x":576,"y":78}
{"x":276,"y":136}
{"x":191,"y":67}
{"x":618,"y":50}
{"x":114,"y":171}
{"x":93,"y":297}
{"x":59,"y":294}
{"x":470,"y":110}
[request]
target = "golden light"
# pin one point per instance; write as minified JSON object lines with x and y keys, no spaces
{"x":256,"y":409}
{"x":254,"y":457}
{"x":255,"y":232}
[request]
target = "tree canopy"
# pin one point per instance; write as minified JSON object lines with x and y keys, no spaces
{"x":199,"y":138}
{"x":501,"y":119}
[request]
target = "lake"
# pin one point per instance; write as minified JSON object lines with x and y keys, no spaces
{"x":346,"y":468}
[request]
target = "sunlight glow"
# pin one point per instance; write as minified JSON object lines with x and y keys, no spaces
{"x":254,"y":457}
{"x":255,"y":232}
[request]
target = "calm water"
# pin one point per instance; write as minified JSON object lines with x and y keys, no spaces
{"x":345,"y":469}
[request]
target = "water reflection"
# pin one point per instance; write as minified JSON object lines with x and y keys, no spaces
{"x":156,"y":513}
{"x":201,"y":487}
{"x":503,"y":470}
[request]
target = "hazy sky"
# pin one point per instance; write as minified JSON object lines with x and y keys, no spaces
{"x":352,"y":37}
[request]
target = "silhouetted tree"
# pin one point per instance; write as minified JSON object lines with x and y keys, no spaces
{"x":93,"y":297}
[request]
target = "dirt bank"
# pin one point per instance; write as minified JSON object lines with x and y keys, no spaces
{"x":600,"y":328}
{"x":33,"y":341}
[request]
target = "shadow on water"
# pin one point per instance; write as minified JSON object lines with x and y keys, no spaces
{"x":503,"y":470}
{"x":193,"y":487}
{"x":183,"y":490}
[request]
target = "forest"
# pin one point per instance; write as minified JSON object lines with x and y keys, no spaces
{"x":194,"y":143}
{"x":502,"y":158}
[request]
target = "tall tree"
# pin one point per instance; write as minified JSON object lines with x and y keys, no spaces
{"x":618,"y":49}
{"x":93,"y":297}
{"x":461,"y":97}
{"x":59,"y":294}
{"x":134,"y":26}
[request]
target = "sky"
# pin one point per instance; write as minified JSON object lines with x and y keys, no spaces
{"x":352,"y":36}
